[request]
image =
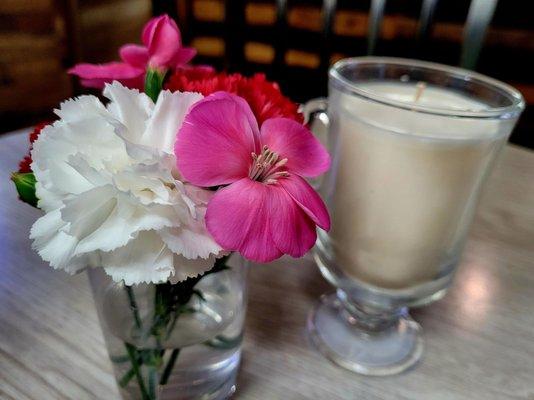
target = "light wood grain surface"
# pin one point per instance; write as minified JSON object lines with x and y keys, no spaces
{"x":479,"y":338}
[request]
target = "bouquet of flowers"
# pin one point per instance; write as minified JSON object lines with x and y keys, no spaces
{"x":179,"y":167}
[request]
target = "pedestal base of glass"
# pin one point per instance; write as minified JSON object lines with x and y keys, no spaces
{"x":376,"y":344}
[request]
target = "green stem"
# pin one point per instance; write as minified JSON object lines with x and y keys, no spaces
{"x":152,"y":378}
{"x":133,"y":306}
{"x":169,"y":302}
{"x":154,"y":82}
{"x":132,"y":353}
{"x":168,"y":368}
{"x":172,"y":325}
{"x":127,"y":377}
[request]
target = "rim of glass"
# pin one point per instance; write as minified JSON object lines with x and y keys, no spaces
{"x":506,"y":112}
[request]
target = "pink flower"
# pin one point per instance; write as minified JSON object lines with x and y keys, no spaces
{"x":267,"y":209}
{"x":162,"y":50}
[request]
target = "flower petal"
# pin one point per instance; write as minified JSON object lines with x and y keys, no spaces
{"x":216,"y":140}
{"x":54,"y":245}
{"x":150,"y":27}
{"x":134,"y":55}
{"x":238,"y":219}
{"x":245,"y":108}
{"x":291,"y":229}
{"x":197,"y":194}
{"x":70,"y":156}
{"x":183,"y":56}
{"x":164,"y":42}
{"x":185,"y":268}
{"x":308,"y":199}
{"x":105,"y":219}
{"x":191,"y":237}
{"x":189,"y":243}
{"x":96,"y":76}
{"x":305,"y":155}
{"x":191,"y":240}
{"x":131,"y":108}
{"x":144,"y":259}
{"x":167,"y":119}
{"x":148,"y":30}
{"x":148,"y":184}
{"x":78,"y":109}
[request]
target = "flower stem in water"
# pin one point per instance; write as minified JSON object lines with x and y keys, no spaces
{"x":132,"y":353}
{"x":168,"y":368}
{"x":133,"y":306}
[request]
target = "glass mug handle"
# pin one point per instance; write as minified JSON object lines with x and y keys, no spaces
{"x":316,"y":117}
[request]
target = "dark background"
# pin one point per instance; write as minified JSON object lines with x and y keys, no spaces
{"x":40,"y":39}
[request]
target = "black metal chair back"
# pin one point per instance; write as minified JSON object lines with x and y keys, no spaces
{"x":305,"y":82}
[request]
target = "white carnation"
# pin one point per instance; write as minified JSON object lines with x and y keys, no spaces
{"x":111,"y":196}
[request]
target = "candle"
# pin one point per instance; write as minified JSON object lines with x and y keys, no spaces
{"x":406,"y":181}
{"x":411,"y":143}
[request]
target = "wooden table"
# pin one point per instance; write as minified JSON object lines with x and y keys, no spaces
{"x":479,"y":339}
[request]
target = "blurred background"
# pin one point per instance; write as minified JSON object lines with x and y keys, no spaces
{"x":292,"y":41}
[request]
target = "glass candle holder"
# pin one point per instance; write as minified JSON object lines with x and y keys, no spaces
{"x":412,"y":143}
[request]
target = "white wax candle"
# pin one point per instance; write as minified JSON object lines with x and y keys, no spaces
{"x":424,"y":95}
{"x":407,"y":182}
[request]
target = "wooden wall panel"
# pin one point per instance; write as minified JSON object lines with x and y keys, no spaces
{"x":32,"y":47}
{"x":35,"y":53}
{"x":105,"y":26}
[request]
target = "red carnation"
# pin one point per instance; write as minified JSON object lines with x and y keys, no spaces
{"x":264,"y":97}
{"x":25,"y":164}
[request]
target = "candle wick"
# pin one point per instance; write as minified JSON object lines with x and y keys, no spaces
{"x":419,"y":89}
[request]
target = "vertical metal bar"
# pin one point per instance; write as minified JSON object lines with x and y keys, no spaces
{"x":478,"y":19}
{"x":426,"y":19}
{"x":280,"y":45}
{"x":376,"y":15}
{"x":329,"y":12}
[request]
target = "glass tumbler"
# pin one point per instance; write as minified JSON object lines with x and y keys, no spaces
{"x":175,"y":341}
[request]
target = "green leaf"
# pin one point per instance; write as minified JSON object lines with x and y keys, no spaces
{"x":25,"y":184}
{"x":154,"y":83}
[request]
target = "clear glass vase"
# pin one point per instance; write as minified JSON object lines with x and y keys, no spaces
{"x":174,"y":341}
